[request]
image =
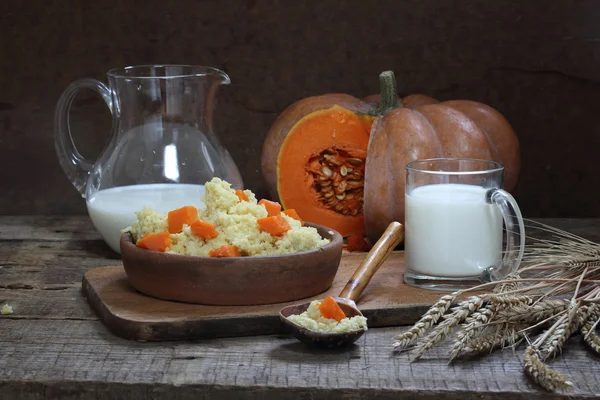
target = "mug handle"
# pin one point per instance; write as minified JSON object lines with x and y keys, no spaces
{"x":76,"y":166}
{"x":515,"y":238}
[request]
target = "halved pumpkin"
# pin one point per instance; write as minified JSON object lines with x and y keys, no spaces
{"x":314,"y":155}
{"x":324,"y":181}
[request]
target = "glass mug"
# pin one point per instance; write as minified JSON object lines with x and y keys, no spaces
{"x":162,"y":150}
{"x":454,"y":214}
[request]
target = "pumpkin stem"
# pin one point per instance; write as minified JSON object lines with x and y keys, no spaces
{"x":389,"y":94}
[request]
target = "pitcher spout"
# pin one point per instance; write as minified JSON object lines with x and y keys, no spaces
{"x":225,"y":79}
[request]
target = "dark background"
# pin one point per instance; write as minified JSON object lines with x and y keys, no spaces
{"x":537,"y":62}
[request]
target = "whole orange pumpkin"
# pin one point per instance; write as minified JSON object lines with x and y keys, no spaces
{"x":422,"y":127}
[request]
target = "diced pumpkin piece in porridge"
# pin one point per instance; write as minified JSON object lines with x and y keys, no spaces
{"x":331,"y":309}
{"x":241,"y":195}
{"x":155,"y":241}
{"x":273,"y":208}
{"x":275,"y":225}
{"x":290,"y":212}
{"x":182,"y":216}
{"x":204,"y":229}
{"x":225,"y":251}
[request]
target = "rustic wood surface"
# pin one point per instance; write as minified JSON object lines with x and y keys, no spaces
{"x":54,"y":345}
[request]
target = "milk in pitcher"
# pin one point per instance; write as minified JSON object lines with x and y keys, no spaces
{"x":114,"y":209}
{"x":451,"y":231}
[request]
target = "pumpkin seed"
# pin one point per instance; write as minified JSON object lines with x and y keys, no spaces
{"x":340,"y":196}
{"x":332,"y":159}
{"x":327,"y":171}
{"x":344,"y":170}
{"x":351,"y":184}
{"x":355,"y":161}
{"x":328,"y":195}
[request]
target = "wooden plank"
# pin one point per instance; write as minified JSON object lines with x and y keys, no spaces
{"x":60,"y":303}
{"x":386,"y":301}
{"x":36,"y":263}
{"x":47,"y":227}
{"x":41,"y":252}
{"x":81,"y":359}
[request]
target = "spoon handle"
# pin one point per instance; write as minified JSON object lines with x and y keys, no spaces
{"x":392,"y":236}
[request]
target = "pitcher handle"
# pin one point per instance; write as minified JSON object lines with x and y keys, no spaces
{"x":515,"y":235}
{"x":76,"y":166}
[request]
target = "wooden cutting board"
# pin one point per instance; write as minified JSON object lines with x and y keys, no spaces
{"x":387,"y":301}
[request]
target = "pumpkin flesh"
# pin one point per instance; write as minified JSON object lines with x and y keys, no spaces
{"x":320,"y":168}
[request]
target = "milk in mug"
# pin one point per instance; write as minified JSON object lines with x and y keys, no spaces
{"x":451,"y":231}
{"x":114,"y":209}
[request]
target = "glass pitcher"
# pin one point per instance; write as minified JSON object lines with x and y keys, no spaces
{"x":163,"y":146}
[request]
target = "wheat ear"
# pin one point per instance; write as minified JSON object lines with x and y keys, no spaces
{"x":588,"y":330}
{"x":473,"y":325}
{"x":441,"y":331}
{"x":533,"y":313}
{"x":541,"y":374}
{"x":500,"y":337}
{"x":571,"y":323}
{"x":478,"y":320}
{"x":430,"y":318}
{"x":508,"y":284}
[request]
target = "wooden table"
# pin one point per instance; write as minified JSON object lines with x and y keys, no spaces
{"x":54,"y":346}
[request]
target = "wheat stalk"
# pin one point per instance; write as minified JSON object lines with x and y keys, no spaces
{"x":523,"y":313}
{"x":440,"y":332}
{"x":430,"y":318}
{"x":478,"y":320}
{"x":588,"y":330}
{"x":541,"y":374}
{"x":570,"y":324}
{"x":509,"y":285}
{"x":500,"y":337}
{"x":472,"y":326}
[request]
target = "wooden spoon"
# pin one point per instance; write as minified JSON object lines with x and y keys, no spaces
{"x":392,"y":236}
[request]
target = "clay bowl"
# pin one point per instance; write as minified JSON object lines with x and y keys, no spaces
{"x":233,"y":281}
